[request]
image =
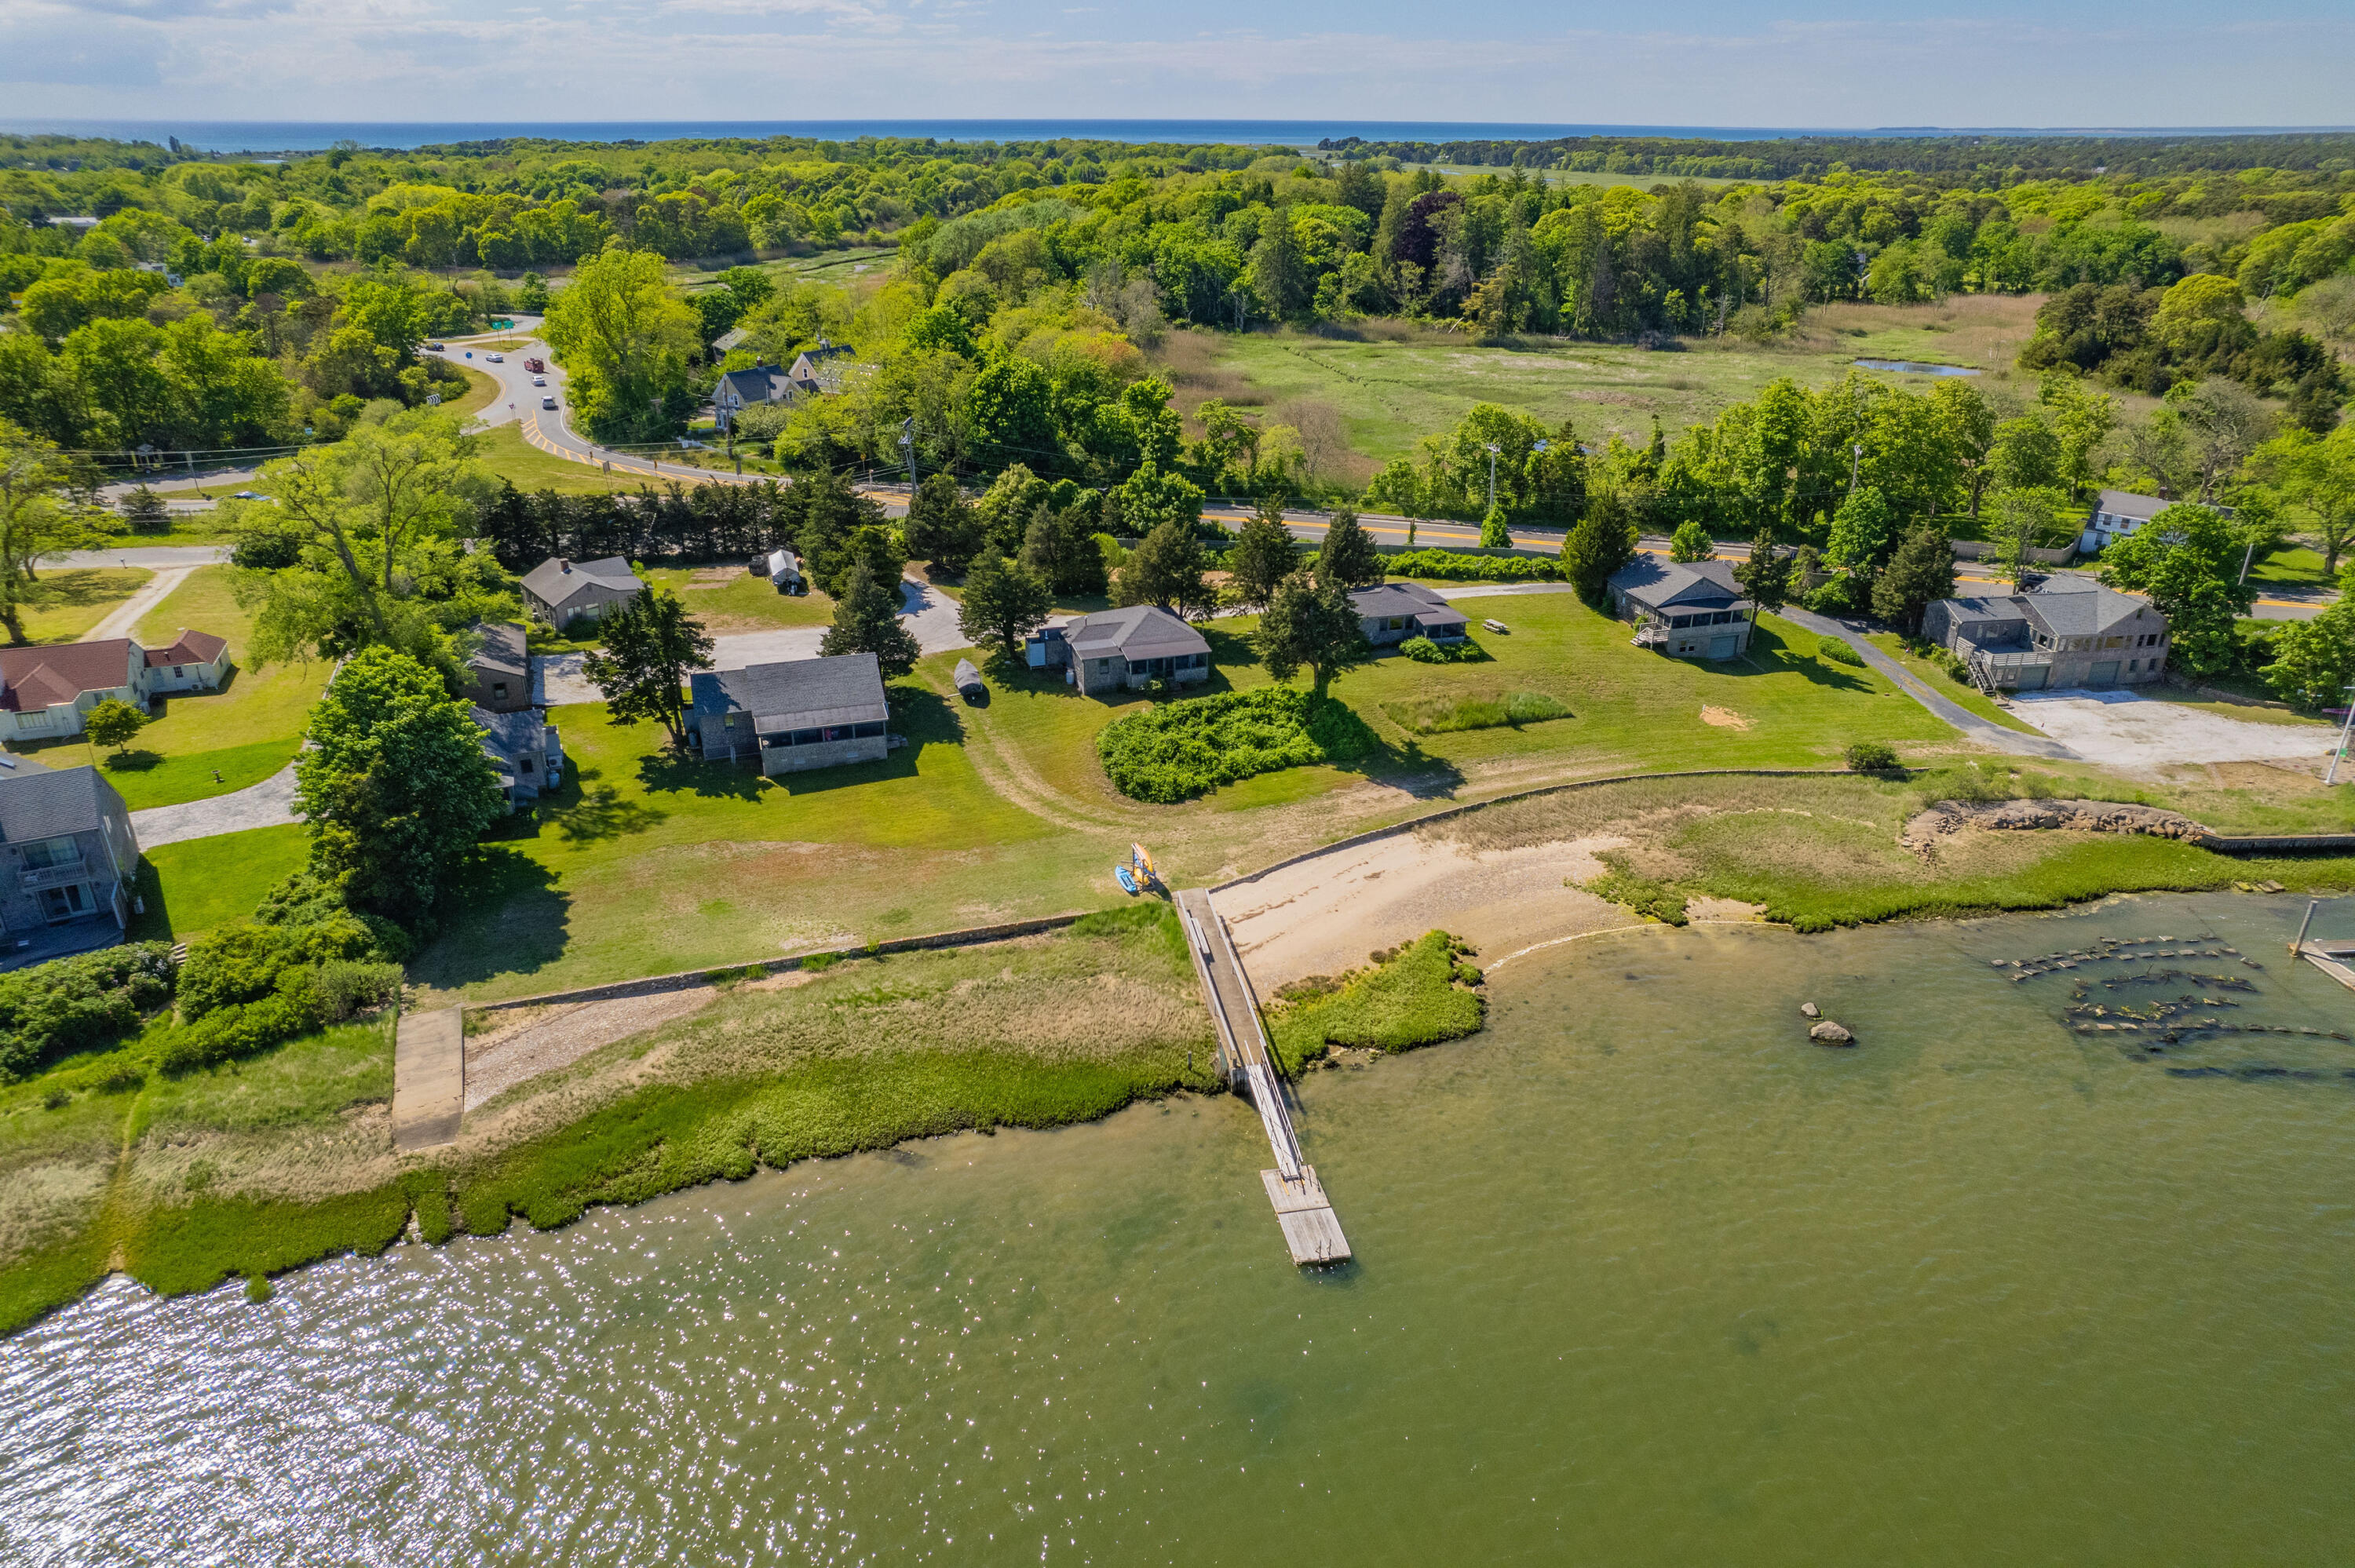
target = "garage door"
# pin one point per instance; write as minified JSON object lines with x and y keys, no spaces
{"x":2104,"y":674}
{"x":2032,"y":678}
{"x":1722,"y":647}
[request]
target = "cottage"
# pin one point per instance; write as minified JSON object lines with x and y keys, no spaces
{"x":195,"y":661}
{"x":796,"y":714}
{"x":1693,"y":610}
{"x":47,"y":692}
{"x":1123,"y":649}
{"x":2065,"y":632}
{"x":500,"y":668}
{"x":560,"y":592}
{"x":524,"y":747}
{"x":738,"y":390}
{"x":2116,"y":514}
{"x":1397,"y":612}
{"x":68,"y":859}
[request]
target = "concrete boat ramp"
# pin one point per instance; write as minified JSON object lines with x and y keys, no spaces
{"x":1310,"y":1227}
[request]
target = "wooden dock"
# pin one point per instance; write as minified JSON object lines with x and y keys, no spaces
{"x":429,"y":1078}
{"x":1310,"y":1227}
{"x":2336,"y":960}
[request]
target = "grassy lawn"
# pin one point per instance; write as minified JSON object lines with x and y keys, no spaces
{"x":1386,"y":390}
{"x":1954,"y":691}
{"x":729,"y":598}
{"x":2292,"y":565}
{"x":66,"y":602}
{"x":482,"y":388}
{"x":195,"y":885}
{"x":506,"y":454}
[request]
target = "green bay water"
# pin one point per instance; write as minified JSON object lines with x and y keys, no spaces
{"x":1644,"y":1278}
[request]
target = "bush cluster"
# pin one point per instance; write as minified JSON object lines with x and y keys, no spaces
{"x":1462,"y":567}
{"x":1833,"y":651}
{"x":1175,"y":751}
{"x":312,"y":963}
{"x":1639,"y":894}
{"x":1423,"y":651}
{"x":1416,"y":995}
{"x":1871,"y":756}
{"x":1441,"y":716}
{"x":86,"y":999}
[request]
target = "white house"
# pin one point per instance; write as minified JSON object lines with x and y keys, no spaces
{"x":48,"y":692}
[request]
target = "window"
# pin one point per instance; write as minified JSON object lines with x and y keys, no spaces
{"x":499,"y":691}
{"x":868,"y":731}
{"x":65,"y":903}
{"x":43,"y":853}
{"x":523,"y":765}
{"x":1103,"y":666}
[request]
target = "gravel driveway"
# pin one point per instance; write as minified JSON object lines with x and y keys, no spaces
{"x":2126,"y":729}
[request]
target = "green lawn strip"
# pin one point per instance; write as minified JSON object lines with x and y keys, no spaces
{"x":198,"y":885}
{"x":175,"y":1250}
{"x":1440,"y":715}
{"x":2292,"y":565}
{"x":65,"y":602}
{"x":482,"y":391}
{"x":1420,"y":996}
{"x":507,"y":455}
{"x":1962,"y":693}
{"x":745,"y":602}
{"x":147,"y":778}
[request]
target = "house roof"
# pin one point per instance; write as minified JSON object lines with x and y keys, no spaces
{"x":760,"y":384}
{"x":189,"y":648}
{"x":37,"y":802}
{"x":1139,"y":632}
{"x":1406,"y":598}
{"x":2077,"y":607}
{"x":35,"y":678}
{"x":2127,"y":504}
{"x":1657,"y":584}
{"x":731,"y":338}
{"x":502,"y":649}
{"x":796,"y":693}
{"x":556,"y":581}
{"x":513,"y":733}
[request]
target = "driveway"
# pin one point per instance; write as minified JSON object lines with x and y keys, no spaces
{"x":2126,"y":729}
{"x":931,"y":615}
{"x":264,"y":805}
{"x":1989,"y":734}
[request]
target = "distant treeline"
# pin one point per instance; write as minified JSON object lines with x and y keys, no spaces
{"x":1945,"y":160}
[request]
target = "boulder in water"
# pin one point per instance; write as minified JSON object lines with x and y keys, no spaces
{"x":1808,"y":1010}
{"x":1826,"y":1032}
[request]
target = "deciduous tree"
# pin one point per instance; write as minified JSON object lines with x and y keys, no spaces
{"x":1311,"y":625}
{"x":2187,"y":560}
{"x":1165,"y":569}
{"x":112,"y":722}
{"x":1691,"y":543}
{"x":1004,"y":601}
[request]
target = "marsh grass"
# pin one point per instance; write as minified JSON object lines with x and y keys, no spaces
{"x":1420,"y":996}
{"x":1440,"y":715}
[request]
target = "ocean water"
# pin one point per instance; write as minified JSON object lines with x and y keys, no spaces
{"x":1643,"y":1278}
{"x":298,"y":136}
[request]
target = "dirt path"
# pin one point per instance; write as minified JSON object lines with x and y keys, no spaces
{"x":124,"y":618}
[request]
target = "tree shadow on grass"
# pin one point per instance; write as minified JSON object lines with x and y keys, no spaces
{"x":138,"y":761}
{"x":666,"y":771}
{"x":589,"y":811}
{"x":512,"y":918}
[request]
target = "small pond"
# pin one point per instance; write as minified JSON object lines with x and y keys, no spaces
{"x":1917,"y":367}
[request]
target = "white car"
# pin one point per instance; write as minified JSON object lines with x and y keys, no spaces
{"x":540,"y":381}
{"x":497,"y":358}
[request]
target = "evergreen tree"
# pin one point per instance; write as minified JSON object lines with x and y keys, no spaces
{"x":1919,"y":573}
{"x":1067,"y":559}
{"x":1768,"y":577}
{"x":941,"y":529}
{"x":1004,"y":601}
{"x":1493,"y":533}
{"x":1313,"y":625}
{"x":1603,"y":542}
{"x":651,"y":644}
{"x":867,"y":620}
{"x":1263,"y":555}
{"x":1279,"y":273}
{"x":1165,"y":569}
{"x":1348,"y":558}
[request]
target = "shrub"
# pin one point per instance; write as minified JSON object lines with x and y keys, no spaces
{"x":1175,"y":751}
{"x":349,"y":987}
{"x":266,"y":550}
{"x":1847,"y":594}
{"x":1418,"y":997}
{"x":86,"y":999}
{"x":1833,"y":651}
{"x":1423,"y":651}
{"x":1463,"y":567}
{"x":1871,"y":756}
{"x":243,"y":1027}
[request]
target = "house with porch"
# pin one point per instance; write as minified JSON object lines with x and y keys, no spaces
{"x":1392,"y":613}
{"x":1122,"y":650}
{"x":1691,"y":610}
{"x":560,"y":591}
{"x":793,"y":716}
{"x":68,"y":860}
{"x":2066,"y":631}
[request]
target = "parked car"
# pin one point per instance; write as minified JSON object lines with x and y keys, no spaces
{"x":497,"y":358}
{"x":434,"y":346}
{"x":547,"y":402}
{"x":540,"y":381}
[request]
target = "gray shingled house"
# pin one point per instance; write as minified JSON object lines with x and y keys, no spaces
{"x":68,"y":859}
{"x":1693,"y":610}
{"x":2065,"y":632}
{"x":1123,"y":649}
{"x":796,"y":714}
{"x":523,"y":747}
{"x":1397,"y":612}
{"x":500,"y":669}
{"x":560,"y":591}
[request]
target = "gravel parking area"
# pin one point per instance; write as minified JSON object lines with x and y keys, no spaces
{"x":2126,"y":729}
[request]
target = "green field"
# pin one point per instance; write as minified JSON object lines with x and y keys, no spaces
{"x":199,"y":885}
{"x":508,"y":456}
{"x":729,"y":598}
{"x":64,"y":602}
{"x":1381,"y":391}
{"x":1937,"y":680}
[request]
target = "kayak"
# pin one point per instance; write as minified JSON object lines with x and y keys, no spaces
{"x":1127,"y":878}
{"x":1143,"y":861}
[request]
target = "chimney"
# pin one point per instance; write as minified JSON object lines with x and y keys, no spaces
{"x":564,"y":565}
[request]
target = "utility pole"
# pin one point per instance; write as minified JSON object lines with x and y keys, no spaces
{"x":2331,"y":775}
{"x":908,"y":450}
{"x":1492,"y":476}
{"x":1855,"y":457}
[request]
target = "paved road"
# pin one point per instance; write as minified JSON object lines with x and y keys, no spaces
{"x":1987,"y":734}
{"x":264,"y":805}
{"x":155,"y":558}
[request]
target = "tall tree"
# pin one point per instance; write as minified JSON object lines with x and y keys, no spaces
{"x":1165,"y":569}
{"x":1280,"y":274}
{"x":1263,"y":555}
{"x":1768,"y":577}
{"x":1054,"y":547}
{"x":35,"y":516}
{"x":2317,"y":479}
{"x":1919,"y":573}
{"x":1864,"y":533}
{"x":1310,"y":625}
{"x":1004,"y":601}
{"x":1348,"y":558}
{"x":651,"y":646}
{"x":2187,"y":560}
{"x":941,"y":527}
{"x":1691,"y":542}
{"x":1603,"y":542}
{"x":393,"y":785}
{"x":625,"y":335}
{"x":867,"y":620}
{"x":2020,"y":515}
{"x":2314,"y":660}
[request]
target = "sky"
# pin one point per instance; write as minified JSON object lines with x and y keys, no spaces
{"x":1815,"y":63}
